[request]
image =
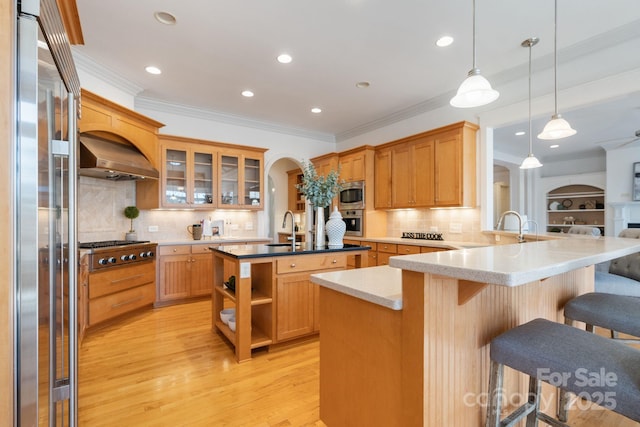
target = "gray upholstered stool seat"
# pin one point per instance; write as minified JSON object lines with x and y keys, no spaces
{"x":564,"y":357}
{"x":618,"y":313}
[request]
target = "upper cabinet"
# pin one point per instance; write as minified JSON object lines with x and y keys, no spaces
{"x":240,"y":179}
{"x":431,"y":169}
{"x":352,"y":166}
{"x":101,"y":115}
{"x":325,"y":164}
{"x":198,"y":174}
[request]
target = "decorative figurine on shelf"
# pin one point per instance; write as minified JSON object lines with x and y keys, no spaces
{"x":132,"y":213}
{"x":319,"y":191}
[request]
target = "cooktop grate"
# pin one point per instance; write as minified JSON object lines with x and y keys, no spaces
{"x":110,"y":243}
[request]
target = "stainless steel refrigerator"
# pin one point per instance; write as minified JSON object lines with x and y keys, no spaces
{"x":47,"y":89}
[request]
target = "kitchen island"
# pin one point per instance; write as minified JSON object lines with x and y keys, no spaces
{"x":408,"y":345}
{"x":274,"y":299}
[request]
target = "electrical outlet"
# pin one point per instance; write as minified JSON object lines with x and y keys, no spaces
{"x":245,"y":270}
{"x":433,"y":229}
{"x":235,"y":226}
{"x":455,"y":228}
{"x":153,"y":228}
{"x":248,"y":225}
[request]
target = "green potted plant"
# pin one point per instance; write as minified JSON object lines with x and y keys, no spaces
{"x":319,"y":191}
{"x":132,"y":213}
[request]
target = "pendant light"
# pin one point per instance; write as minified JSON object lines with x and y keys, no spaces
{"x":557,"y":127}
{"x":530,"y":162}
{"x":475,"y":90}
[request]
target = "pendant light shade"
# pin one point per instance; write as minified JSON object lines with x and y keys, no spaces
{"x":475,"y":90}
{"x":530,"y":162}
{"x":557,"y":128}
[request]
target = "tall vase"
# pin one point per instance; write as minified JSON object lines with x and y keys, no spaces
{"x":319,"y":227}
{"x":336,"y":228}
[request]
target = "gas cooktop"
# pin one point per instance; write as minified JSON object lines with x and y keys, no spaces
{"x":110,"y":243}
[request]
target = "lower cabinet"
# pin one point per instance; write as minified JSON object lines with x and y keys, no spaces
{"x":297,"y":299}
{"x":120,"y":290}
{"x":185,"y":271}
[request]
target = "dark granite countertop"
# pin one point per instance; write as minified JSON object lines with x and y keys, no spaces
{"x":281,"y":249}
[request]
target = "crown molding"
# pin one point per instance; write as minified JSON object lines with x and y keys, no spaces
{"x":85,"y":63}
{"x":198,"y":113}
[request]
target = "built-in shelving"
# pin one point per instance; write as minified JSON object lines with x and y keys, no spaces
{"x":575,"y":205}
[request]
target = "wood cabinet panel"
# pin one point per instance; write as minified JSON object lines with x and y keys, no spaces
{"x":352,"y":167}
{"x":118,"y":279}
{"x":174,"y":277}
{"x":295,"y":306}
{"x":382,"y":179}
{"x":391,"y":248}
{"x":201,"y":274}
{"x":185,"y":271}
{"x":408,"y":249}
{"x":112,"y":305}
{"x":296,"y":264}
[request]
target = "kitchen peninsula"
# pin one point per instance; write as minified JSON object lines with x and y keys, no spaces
{"x":408,"y":345}
{"x":273,"y":296}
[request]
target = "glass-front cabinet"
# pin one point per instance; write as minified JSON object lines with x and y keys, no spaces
{"x":188,"y":176}
{"x":240,"y":180}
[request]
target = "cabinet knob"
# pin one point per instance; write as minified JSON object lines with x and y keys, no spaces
{"x":175,"y":250}
{"x":293,"y":265}
{"x":334,"y":261}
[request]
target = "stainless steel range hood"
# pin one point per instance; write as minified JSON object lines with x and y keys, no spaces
{"x":114,"y":160}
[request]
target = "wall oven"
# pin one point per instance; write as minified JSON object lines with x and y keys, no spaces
{"x":354,"y":221}
{"x":351,"y":196}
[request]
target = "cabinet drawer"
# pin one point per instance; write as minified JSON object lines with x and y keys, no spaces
{"x":426,"y":249}
{"x":310,"y":263}
{"x":201,"y":249}
{"x":391,"y":248}
{"x":174,"y":250}
{"x":383,"y":258}
{"x":408,"y":249}
{"x":117,"y":279}
{"x":374,"y":245}
{"x":113,"y":305}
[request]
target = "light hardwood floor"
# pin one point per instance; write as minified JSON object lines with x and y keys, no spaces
{"x":165,"y":367}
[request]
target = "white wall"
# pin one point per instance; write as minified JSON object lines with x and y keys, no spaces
{"x":280,"y":179}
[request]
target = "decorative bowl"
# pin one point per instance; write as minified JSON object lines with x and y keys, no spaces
{"x":232,"y":323}
{"x":227,"y":314}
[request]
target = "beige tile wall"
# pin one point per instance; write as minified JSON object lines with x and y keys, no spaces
{"x":100,"y":215}
{"x":441,"y":220}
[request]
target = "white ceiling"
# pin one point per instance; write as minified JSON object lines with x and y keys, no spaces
{"x":219,"y":48}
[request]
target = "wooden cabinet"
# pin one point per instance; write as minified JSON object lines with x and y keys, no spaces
{"x":575,"y":205}
{"x":296,"y":301}
{"x":382,"y":179}
{"x":240,"y":179}
{"x":325,"y":164}
{"x":295,"y":198}
{"x":432,"y":169}
{"x":184,"y":271}
{"x":352,"y":166}
{"x":116,"y":291}
{"x":188,"y":176}
{"x":200,"y":174}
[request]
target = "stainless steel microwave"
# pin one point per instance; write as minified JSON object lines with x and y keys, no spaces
{"x":351,"y":196}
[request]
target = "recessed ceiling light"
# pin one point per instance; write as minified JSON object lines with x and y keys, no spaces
{"x":153,"y":70}
{"x":520,"y":133}
{"x":165,"y":18}
{"x":316,"y":110}
{"x":247,"y":93}
{"x":284,"y":58}
{"x":363,"y":85}
{"x":554,"y":146}
{"x":444,"y":41}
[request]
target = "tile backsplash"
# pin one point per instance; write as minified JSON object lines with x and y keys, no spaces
{"x":100,"y":215}
{"x":458,"y":225}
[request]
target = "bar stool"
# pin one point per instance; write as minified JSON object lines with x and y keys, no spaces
{"x":567,"y":358}
{"x":618,"y":313}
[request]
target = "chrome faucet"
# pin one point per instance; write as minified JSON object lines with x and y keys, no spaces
{"x":520,"y":234}
{"x":293,"y":229}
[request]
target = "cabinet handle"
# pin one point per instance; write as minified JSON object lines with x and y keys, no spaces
{"x":175,"y":250}
{"x":293,"y":265}
{"x":131,"y":301}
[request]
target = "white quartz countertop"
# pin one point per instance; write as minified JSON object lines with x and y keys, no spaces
{"x":447,"y":244}
{"x":380,"y":285}
{"x":517,"y":264}
{"x":214,"y":241}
